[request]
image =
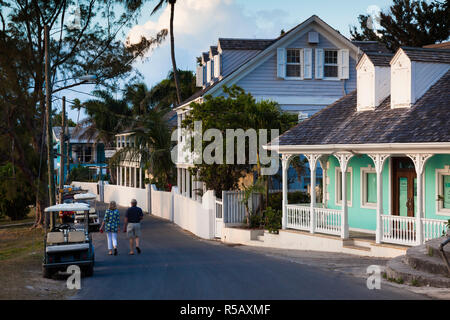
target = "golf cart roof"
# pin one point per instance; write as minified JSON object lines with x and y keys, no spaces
{"x":68,"y":207}
{"x":85,"y":196}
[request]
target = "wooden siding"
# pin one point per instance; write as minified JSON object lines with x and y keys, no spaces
{"x":263,"y":80}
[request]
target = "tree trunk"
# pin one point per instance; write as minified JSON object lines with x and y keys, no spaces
{"x":172,"y":51}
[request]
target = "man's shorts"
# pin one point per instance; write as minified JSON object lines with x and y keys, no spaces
{"x":133,"y":230}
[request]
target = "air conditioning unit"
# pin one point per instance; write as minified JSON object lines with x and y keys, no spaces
{"x":313,"y":37}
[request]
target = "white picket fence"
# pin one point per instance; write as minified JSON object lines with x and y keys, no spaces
{"x":433,"y":228}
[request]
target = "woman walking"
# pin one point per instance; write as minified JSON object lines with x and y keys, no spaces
{"x":110,"y":224}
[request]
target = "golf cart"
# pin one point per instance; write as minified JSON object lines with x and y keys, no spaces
{"x":89,"y":199}
{"x":68,"y":244}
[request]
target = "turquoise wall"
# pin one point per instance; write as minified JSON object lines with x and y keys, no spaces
{"x":363,"y":218}
{"x":360,"y":218}
{"x":438,"y":161}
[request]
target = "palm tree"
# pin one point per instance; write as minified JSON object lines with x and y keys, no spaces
{"x":172,"y":41}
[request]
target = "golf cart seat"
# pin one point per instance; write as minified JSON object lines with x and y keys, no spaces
{"x":55,"y":237}
{"x":76,"y":236}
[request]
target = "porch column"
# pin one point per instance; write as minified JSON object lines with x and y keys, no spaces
{"x":117,"y":175}
{"x":140,"y":178}
{"x":323,"y":160}
{"x":344,"y":158}
{"x":135,"y":177}
{"x":285,"y":166}
{"x":179,"y":179}
{"x":312,"y":159}
{"x":378,"y":160}
{"x":120,"y":176}
{"x":419,"y":163}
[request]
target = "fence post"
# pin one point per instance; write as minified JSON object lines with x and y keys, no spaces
{"x":149,"y":198}
{"x":224,"y":207}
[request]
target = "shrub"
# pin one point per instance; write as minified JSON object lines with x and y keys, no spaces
{"x":275,"y":199}
{"x":79,"y":174}
{"x":272,"y":219}
{"x":255,"y":221}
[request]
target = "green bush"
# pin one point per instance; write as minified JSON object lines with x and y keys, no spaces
{"x":79,"y":173}
{"x":275,"y":199}
{"x":272,"y":220}
{"x":16,"y":193}
{"x":255,"y":221}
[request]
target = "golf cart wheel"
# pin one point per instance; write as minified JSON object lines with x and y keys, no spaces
{"x":47,"y":273}
{"x":89,"y":270}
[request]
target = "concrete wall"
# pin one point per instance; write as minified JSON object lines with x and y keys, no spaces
{"x":194,"y":216}
{"x":123,"y":195}
{"x":162,"y":204}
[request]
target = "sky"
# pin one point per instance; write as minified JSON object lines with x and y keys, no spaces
{"x":199,"y":23}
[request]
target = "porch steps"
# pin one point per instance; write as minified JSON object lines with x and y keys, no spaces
{"x":355,"y":244}
{"x":260,"y":238}
{"x":421,"y":266}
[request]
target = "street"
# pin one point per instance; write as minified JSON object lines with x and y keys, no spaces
{"x":176,"y":265}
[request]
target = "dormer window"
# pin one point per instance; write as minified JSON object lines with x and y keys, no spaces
{"x":293,"y":63}
{"x":330,"y":63}
{"x":212,"y":70}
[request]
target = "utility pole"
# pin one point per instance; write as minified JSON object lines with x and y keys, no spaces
{"x":61,"y":151}
{"x":48,"y":113}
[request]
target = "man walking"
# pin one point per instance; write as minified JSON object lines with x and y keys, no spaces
{"x":132,"y":225}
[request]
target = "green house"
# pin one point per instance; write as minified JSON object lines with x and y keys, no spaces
{"x":384,"y":150}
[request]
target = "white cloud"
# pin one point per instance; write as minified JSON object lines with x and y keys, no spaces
{"x":197,"y":25}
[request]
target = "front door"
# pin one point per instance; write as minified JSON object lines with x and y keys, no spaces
{"x":404,"y":191}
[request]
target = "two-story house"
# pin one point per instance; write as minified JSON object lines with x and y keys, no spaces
{"x":305,"y":69}
{"x":82,"y":151}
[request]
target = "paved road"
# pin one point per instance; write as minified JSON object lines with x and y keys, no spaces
{"x":176,"y":265}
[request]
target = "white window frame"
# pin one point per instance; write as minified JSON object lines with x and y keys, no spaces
{"x":440,"y":210}
{"x":331,"y":64}
{"x":300,"y":63}
{"x":338,"y":186}
{"x":364,"y":203}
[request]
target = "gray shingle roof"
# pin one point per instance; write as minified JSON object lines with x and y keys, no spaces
{"x":244,"y":44}
{"x":442,"y":45}
{"x":371,"y":46}
{"x":205,"y":56}
{"x":380,"y":59}
{"x":427,"y":120}
{"x":427,"y":54}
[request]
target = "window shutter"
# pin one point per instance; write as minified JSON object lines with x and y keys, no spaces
{"x":343,"y":61}
{"x":319,"y":64}
{"x":307,"y":63}
{"x":208,"y":71}
{"x":281,"y":63}
{"x":199,"y":76}
{"x":217,"y":66}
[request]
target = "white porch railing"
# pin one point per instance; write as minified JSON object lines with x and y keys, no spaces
{"x":433,"y":228}
{"x":298,"y":217}
{"x":399,"y":230}
{"x":328,"y":221}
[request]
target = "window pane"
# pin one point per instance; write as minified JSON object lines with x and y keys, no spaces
{"x":293,"y":56}
{"x":371,"y":179}
{"x":446,"y":188}
{"x":331,"y":71}
{"x":330,"y":56}
{"x":293,"y":70}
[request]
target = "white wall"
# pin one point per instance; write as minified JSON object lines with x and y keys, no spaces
{"x":162,"y":203}
{"x":194,"y":216}
{"x":123,"y":195}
